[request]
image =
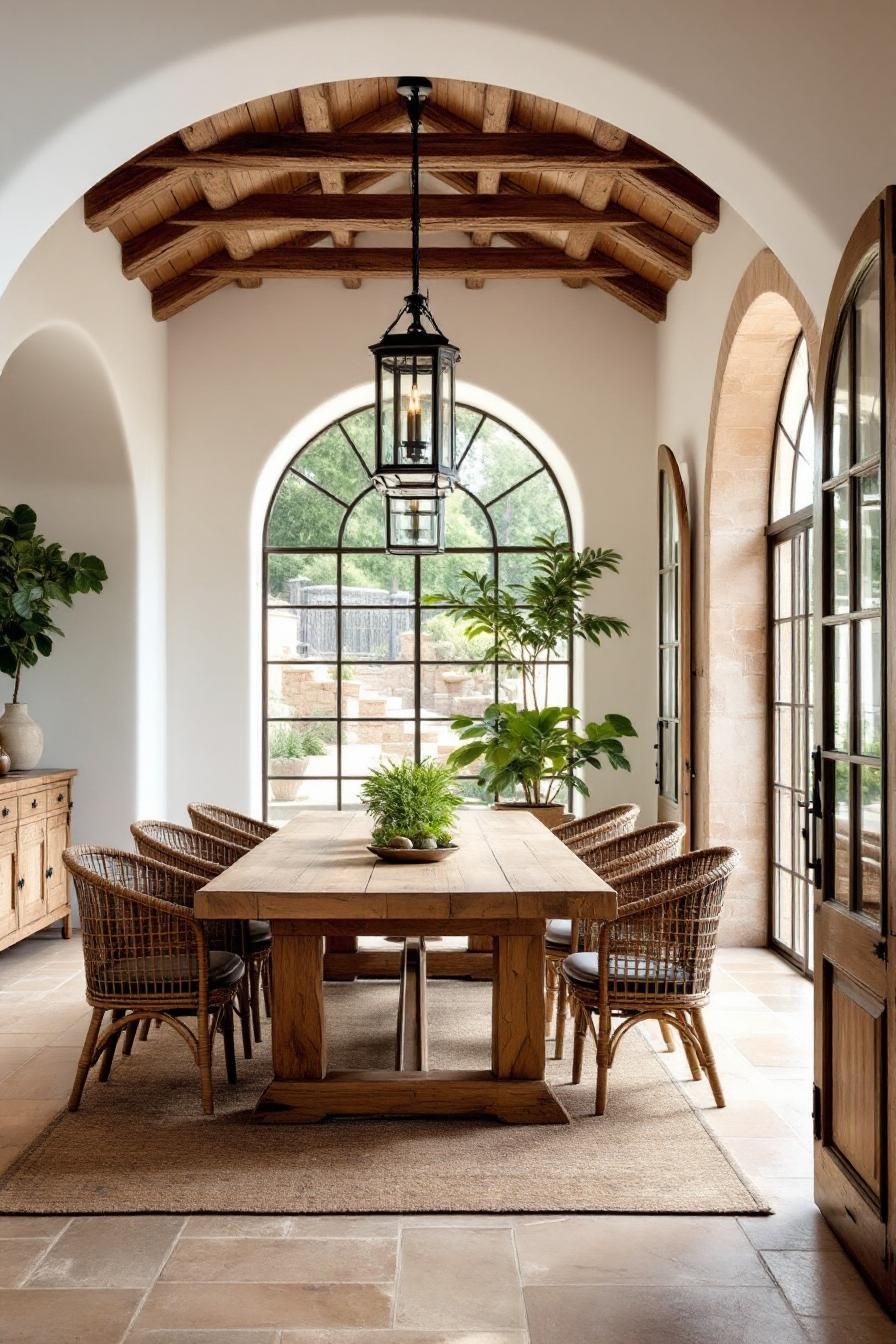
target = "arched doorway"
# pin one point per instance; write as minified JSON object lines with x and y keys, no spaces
{"x":62,"y":450}
{"x":766,"y":318}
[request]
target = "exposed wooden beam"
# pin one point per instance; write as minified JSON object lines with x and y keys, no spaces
{"x":317,"y":117}
{"x":631,"y":289}
{"x":175,"y":295}
{"x":314,"y":152}
{"x":497,"y":106}
{"x":128,"y":188}
{"x":384,"y":263}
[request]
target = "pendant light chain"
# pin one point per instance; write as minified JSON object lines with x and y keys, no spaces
{"x":415,"y":113}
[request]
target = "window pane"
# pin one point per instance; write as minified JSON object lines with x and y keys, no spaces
{"x":366,"y":523}
{"x":302,"y":580}
{"x":366,"y":745}
{"x":841,"y":832}
{"x":669,"y":684}
{"x":551,"y":686}
{"x":497,"y":460}
{"x":869,"y":540}
{"x":783,"y":829}
{"x":869,"y":882}
{"x":361,"y":429}
{"x":669,"y":607}
{"x":368,"y":580}
{"x":532,"y":510}
{"x":302,"y":691}
{"x":840,"y":544}
{"x":443,"y":638}
{"x":301,"y":740}
{"x":783,"y":907}
{"x":869,"y":688}
{"x":330,"y":461}
{"x":669,"y":761}
{"x":377,"y":634}
{"x":466,"y":524}
{"x":840,"y":684}
{"x":804,"y":483}
{"x":839,"y":446}
{"x":783,"y":662}
{"x":302,"y":516}
{"x":447,"y":689}
{"x":783,"y":579}
{"x":783,"y":482}
{"x":444,"y":573}
{"x":467,"y":422}
{"x":783,"y":746}
{"x":796,"y":390}
{"x":868,"y":363}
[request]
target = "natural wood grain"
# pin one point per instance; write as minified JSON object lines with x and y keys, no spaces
{"x":34,"y":832}
{"x":496,"y":109}
{"x":316,"y":151}
{"x":518,"y":1007}
{"x":317,"y":116}
{"x":298,"y":1039}
{"x":383,"y":263}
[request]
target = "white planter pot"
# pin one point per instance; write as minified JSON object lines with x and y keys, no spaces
{"x":22,"y":738}
{"x":286,"y":790}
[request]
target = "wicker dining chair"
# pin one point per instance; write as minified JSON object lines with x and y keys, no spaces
{"x":653,"y":961}
{"x":611,"y":860}
{"x":226,"y":824}
{"x":604,"y":825}
{"x":206,"y":856}
{"x":146,"y":958}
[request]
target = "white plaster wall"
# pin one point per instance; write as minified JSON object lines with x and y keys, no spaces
{"x":786,"y":109}
{"x":72,"y":281}
{"x":246,"y":366}
{"x":62,"y":451}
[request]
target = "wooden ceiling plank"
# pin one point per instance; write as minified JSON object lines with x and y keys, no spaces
{"x":175,"y":295}
{"x":496,"y":110}
{"x":377,"y":152}
{"x":386,"y":262}
{"x":317,"y":116}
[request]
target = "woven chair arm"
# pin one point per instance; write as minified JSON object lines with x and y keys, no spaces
{"x":159,"y":905}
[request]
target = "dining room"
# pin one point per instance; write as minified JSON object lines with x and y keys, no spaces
{"x":443,"y":866}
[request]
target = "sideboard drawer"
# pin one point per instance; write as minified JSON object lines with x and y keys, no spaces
{"x":58,"y":798}
{"x":9,"y":810}
{"x":32,"y":805}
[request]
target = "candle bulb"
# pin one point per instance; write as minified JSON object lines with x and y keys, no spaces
{"x":415,"y":416}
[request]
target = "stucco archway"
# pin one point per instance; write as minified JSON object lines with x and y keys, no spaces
{"x":766,"y":316}
{"x":62,"y":450}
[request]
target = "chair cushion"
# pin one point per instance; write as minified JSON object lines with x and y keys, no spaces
{"x":628,"y":974}
{"x":259,"y":935}
{"x":171,"y":974}
{"x":559,"y":932}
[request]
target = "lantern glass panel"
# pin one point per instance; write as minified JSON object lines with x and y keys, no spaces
{"x":414,"y":524}
{"x":415,"y":427}
{"x":446,"y":428}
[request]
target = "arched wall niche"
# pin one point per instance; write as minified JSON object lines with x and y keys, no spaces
{"x":731,"y":646}
{"x":63,"y":451}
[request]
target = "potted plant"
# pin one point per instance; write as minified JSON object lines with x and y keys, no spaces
{"x":413,"y":806}
{"x":535,"y":749}
{"x":288,"y":752}
{"x":35,"y":575}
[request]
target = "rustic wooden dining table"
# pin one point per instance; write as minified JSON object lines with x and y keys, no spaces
{"x":316,"y":878}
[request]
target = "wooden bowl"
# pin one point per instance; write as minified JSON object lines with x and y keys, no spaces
{"x":411,"y":855}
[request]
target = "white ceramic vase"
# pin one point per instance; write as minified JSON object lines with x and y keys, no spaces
{"x":22,"y":738}
{"x":282,"y":790}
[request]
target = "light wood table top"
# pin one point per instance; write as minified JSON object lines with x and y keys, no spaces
{"x":508,"y":866}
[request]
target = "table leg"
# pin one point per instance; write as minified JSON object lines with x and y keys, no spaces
{"x":518,"y":1050}
{"x":298,"y":1041}
{"x":411,"y":1042}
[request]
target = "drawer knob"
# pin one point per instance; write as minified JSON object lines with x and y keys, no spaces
{"x":20,"y":884}
{"x":59,"y":797}
{"x":49,"y":872}
{"x":34,"y":802}
{"x":6,"y":811}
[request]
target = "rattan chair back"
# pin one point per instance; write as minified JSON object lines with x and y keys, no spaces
{"x":181,"y":847}
{"x":664,"y":937}
{"x":600,"y":826}
{"x":140,"y":939}
{"x":626,"y":854}
{"x":223,"y":822}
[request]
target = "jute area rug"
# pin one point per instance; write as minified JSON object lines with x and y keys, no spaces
{"x":140,"y":1144}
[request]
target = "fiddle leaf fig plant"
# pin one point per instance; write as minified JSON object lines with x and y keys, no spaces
{"x":35,"y":575}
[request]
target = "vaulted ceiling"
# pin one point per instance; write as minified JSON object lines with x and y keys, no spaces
{"x":282,"y":187}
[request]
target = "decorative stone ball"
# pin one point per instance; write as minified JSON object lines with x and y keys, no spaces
{"x":427,"y":842}
{"x":400,"y":842}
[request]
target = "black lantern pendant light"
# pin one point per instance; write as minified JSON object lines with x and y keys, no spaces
{"x":415,"y":466}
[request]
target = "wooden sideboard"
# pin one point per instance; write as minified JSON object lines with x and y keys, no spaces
{"x":35,"y":810}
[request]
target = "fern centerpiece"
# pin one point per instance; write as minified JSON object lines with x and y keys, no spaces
{"x":413,"y":806}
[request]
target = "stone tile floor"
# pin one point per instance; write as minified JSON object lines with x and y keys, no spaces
{"x":451,"y":1279}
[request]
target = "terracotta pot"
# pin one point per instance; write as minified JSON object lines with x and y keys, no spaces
{"x":21,"y":737}
{"x":287,"y":790}
{"x":554,"y":814}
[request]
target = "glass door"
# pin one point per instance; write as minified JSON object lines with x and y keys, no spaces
{"x":673,"y":744}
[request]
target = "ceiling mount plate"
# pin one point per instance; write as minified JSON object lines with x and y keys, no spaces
{"x":408,"y":85}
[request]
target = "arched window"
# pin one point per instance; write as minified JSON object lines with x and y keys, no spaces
{"x":357,"y":671}
{"x":790,"y":629}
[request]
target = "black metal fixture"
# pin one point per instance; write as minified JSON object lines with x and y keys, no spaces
{"x":415,"y":429}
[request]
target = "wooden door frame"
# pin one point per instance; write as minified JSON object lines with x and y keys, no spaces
{"x":667,"y":464}
{"x":868,"y":1233}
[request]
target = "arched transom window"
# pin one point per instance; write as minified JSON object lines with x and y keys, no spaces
{"x":357,"y":671}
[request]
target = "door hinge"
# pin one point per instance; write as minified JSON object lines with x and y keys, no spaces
{"x":816,"y":1112}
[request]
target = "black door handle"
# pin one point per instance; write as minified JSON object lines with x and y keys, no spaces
{"x":20,"y":884}
{"x":49,"y":872}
